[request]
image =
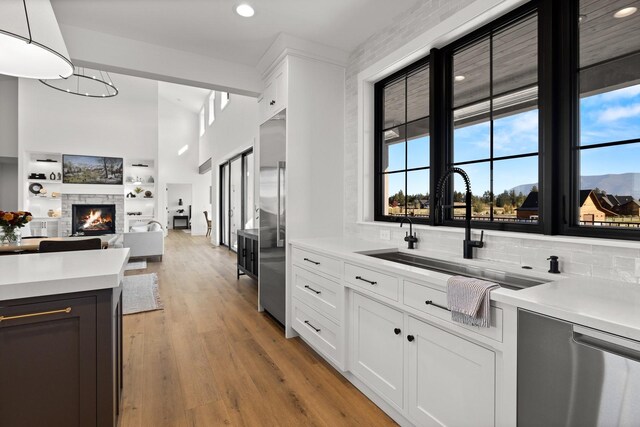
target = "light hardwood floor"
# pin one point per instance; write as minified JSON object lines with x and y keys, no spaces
{"x":210,"y":359}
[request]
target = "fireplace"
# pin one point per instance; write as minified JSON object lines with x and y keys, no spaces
{"x":93,"y":220}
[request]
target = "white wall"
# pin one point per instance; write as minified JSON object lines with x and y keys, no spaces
{"x":56,"y":122}
{"x":234,"y":130}
{"x":8,"y":183}
{"x":8,"y":143}
{"x":177,"y":126}
{"x":8,"y":116}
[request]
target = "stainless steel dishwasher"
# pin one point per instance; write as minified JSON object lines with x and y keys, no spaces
{"x":570,"y":375}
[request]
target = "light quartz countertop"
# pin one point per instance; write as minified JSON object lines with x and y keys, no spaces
{"x":34,"y":275}
{"x":607,"y":305}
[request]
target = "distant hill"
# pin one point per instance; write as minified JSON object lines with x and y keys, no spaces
{"x":622,"y":184}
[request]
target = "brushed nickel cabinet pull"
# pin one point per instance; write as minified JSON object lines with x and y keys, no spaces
{"x":41,"y":313}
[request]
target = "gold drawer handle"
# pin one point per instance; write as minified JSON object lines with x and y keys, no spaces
{"x":42,"y":313}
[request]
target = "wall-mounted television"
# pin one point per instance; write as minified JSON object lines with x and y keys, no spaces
{"x":91,"y":169}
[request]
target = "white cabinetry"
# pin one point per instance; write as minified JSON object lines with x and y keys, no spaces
{"x":317,"y":309}
{"x":274,"y":97}
{"x":398,"y":344}
{"x":377,"y":351}
{"x":451,"y":381}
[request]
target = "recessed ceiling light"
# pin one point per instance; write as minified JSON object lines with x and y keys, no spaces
{"x":625,"y":11}
{"x":458,"y":78}
{"x":245,"y":10}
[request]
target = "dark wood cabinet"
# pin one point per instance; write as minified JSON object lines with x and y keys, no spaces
{"x":248,"y":253}
{"x":61,"y":360}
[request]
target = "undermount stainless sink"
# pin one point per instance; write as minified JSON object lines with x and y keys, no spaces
{"x":505,"y":279}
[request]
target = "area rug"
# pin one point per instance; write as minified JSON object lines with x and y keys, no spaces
{"x":140,"y":293}
{"x":136,"y":265}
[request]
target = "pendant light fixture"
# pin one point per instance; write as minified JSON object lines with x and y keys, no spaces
{"x":31,"y":44}
{"x":85,"y":82}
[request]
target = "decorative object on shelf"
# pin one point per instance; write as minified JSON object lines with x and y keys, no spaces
{"x":37,"y":176}
{"x":134,"y":213}
{"x":50,"y":213}
{"x":84,"y":82}
{"x":137,"y":181}
{"x":59,"y":176}
{"x":150,"y":180}
{"x":52,"y":176}
{"x":54,"y":213}
{"x":129,"y":179}
{"x":31,"y":41}
{"x":47,"y":160}
{"x":148,"y":194}
{"x":130,"y":195}
{"x":55,"y":194}
{"x":11,"y":223}
{"x":91,"y":170}
{"x":35,"y":188}
{"x":138,"y":190}
{"x":180,"y":202}
{"x":43,"y":192}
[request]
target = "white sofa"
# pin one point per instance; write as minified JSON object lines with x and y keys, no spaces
{"x":145,"y":240}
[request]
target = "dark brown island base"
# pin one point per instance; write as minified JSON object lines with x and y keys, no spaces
{"x":61,"y":354}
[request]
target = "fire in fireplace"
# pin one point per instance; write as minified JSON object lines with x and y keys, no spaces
{"x":94,"y":219}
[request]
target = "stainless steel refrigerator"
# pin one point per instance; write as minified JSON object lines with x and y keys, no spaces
{"x":273,"y":216}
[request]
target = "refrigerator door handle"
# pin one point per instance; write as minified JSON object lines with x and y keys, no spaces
{"x":279,"y":238}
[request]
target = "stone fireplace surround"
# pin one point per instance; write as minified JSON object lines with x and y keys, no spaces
{"x":68,"y":200}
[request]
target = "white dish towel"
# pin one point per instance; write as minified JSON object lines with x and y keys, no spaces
{"x":469,"y":300}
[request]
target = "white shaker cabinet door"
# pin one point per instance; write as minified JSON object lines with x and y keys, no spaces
{"x":377,"y":350}
{"x":451,"y":381}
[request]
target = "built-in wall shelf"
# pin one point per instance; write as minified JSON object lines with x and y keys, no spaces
{"x":142,"y":171}
{"x":45,"y":164}
{"x":44,"y":181}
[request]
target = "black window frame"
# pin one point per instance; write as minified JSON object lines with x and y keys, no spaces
{"x":558,"y":124}
{"x":518,"y":15}
{"x":379,"y":141}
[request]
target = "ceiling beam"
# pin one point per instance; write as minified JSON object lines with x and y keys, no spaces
{"x":106,"y":52}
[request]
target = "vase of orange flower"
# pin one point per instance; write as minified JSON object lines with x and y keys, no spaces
{"x":10,"y":225}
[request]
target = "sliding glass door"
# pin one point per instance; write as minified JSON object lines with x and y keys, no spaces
{"x":237,"y":199}
{"x":249,"y":193}
{"x":224,"y":204}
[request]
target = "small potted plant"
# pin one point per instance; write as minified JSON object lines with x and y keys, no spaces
{"x":11,"y":223}
{"x":138,"y":190}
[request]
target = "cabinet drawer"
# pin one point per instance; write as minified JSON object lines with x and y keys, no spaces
{"x":315,"y":261}
{"x":374,"y":281}
{"x":416,"y":295}
{"x":322,"y":333}
{"x":318,"y":292}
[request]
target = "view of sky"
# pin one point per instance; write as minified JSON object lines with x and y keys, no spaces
{"x":606,"y":117}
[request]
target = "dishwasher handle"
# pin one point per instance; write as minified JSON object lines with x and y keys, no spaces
{"x":605,"y":342}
